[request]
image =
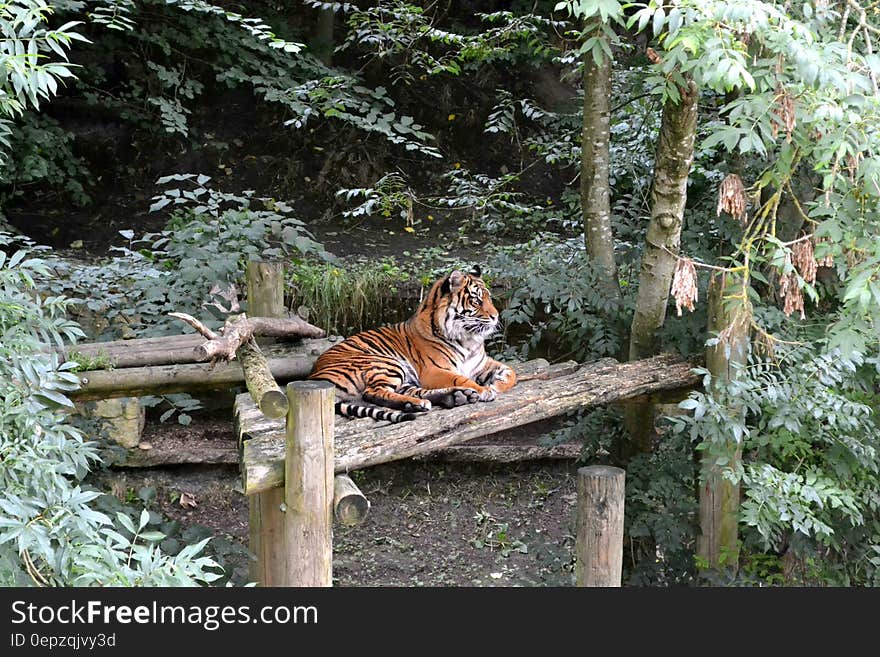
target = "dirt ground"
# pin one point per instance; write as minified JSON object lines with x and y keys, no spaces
{"x":431,"y":522}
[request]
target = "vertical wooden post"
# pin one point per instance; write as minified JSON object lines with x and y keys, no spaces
{"x":265,"y":287}
{"x":308,"y":484}
{"x":718,"y":543}
{"x":266,"y":535}
{"x":600,"y":526}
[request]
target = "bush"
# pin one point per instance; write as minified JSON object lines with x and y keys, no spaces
{"x":555,"y":300}
{"x":49,"y":532}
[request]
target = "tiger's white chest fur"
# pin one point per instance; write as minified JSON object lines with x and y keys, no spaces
{"x":473,"y":361}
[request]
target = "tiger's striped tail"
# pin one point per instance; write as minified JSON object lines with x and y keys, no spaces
{"x":381,"y":414}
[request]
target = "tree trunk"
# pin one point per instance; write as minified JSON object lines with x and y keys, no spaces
{"x":595,"y":189}
{"x":718,"y":545}
{"x":675,"y":153}
{"x":322,"y":43}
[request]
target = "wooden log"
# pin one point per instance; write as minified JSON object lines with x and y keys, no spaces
{"x":202,"y":452}
{"x":508,"y":453}
{"x":266,"y":537}
{"x":266,"y":297}
{"x":170,"y":350}
{"x":362,"y":443}
{"x":308,"y":484}
{"x":286,"y":363}
{"x":350,"y":505}
{"x":265,"y":289}
{"x":167,"y":350}
{"x":599,"y":544}
{"x":265,"y":392}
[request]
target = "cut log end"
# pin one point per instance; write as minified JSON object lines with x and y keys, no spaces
{"x":350,"y":505}
{"x":274,"y":403}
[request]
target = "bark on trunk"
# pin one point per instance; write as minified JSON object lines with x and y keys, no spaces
{"x":595,"y":189}
{"x":322,"y":44}
{"x":675,"y":153}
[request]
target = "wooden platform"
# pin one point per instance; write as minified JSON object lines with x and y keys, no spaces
{"x":544,"y":391}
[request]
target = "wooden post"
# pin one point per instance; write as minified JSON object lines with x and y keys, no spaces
{"x":265,"y":289}
{"x":350,"y":505}
{"x":718,"y":543}
{"x":266,"y":537}
{"x":600,"y":526}
{"x":308,"y":484}
{"x":265,"y":285}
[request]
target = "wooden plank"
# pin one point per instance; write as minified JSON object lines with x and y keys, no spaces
{"x":508,"y":453}
{"x":364,"y":442}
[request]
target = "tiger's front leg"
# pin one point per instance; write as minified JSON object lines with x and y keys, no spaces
{"x":461,"y":386}
{"x":497,"y":376}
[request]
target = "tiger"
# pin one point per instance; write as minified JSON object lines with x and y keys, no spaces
{"x":435,"y":358}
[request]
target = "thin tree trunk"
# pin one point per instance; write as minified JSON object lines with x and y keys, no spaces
{"x":595,"y":189}
{"x":322,"y":43}
{"x":675,"y":153}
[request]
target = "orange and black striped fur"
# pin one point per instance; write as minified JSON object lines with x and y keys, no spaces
{"x":436,"y":357}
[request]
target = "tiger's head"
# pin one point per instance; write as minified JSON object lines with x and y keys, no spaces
{"x":459,"y":307}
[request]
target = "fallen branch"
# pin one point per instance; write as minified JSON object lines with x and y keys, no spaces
{"x":241,"y":328}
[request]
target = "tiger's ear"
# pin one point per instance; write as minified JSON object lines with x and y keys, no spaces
{"x":476,"y":271}
{"x":454,"y":282}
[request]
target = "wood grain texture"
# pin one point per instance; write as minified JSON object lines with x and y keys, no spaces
{"x":286,"y":362}
{"x":599,"y":543}
{"x":541,"y":394}
{"x":261,"y":385}
{"x":309,"y":485}
{"x":350,"y":505}
{"x":266,"y":537}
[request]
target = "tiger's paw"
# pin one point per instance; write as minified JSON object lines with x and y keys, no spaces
{"x":452,"y":397}
{"x":487,"y":395}
{"x":423,"y":406}
{"x":501,"y":379}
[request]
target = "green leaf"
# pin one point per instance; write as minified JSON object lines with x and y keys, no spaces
{"x":126,"y":522}
{"x":659,"y":19}
{"x":53,"y":399}
{"x":144,"y":519}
